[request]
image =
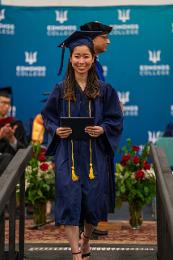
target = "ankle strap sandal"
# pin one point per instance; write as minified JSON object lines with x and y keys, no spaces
{"x":86,"y":237}
{"x":86,"y":254}
{"x":76,"y":253}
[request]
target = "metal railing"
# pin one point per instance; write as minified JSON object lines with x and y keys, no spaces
{"x":12,"y":175}
{"x":164,"y":198}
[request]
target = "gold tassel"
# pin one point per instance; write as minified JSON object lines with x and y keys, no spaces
{"x":73,"y":174}
{"x":91,"y":174}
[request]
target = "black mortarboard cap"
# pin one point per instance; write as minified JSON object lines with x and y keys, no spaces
{"x":96,"y":26}
{"x":76,"y":39}
{"x":6,"y":91}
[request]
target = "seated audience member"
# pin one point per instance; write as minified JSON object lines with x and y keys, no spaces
{"x":38,"y":129}
{"x":168,"y":130}
{"x":39,"y":135}
{"x":12,"y":133}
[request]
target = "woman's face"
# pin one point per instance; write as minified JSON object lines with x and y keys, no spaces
{"x":81,"y":59}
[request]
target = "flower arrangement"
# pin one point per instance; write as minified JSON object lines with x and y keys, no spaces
{"x":135,"y":177}
{"x":39,"y":176}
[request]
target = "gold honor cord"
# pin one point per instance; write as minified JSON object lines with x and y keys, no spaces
{"x":73,"y":174}
{"x":91,"y":172}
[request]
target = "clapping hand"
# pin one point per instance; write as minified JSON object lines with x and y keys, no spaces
{"x":8,"y":132}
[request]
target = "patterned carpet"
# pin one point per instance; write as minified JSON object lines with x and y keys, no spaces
{"x":119,"y":232}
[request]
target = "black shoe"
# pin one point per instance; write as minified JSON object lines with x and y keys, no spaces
{"x":99,"y":232}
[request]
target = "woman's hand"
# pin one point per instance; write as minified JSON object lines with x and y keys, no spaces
{"x":94,"y":131}
{"x":63,"y":132}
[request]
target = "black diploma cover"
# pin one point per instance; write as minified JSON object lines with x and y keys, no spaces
{"x":77,"y":124}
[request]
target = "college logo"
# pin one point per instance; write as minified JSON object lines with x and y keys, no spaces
{"x":128,"y":110}
{"x":155,"y":69}
{"x":105,"y":70}
{"x":2,"y":14}
{"x":4,"y":27}
{"x":61,"y":16}
{"x":171,"y":108}
{"x":30,"y":71}
{"x":153,"y":136}
{"x":124,"y":28}
{"x":123,"y":15}
{"x":61,"y":29}
{"x":124,"y":97}
{"x":12,"y":111}
{"x":30,"y":57}
{"x":154,"y":56}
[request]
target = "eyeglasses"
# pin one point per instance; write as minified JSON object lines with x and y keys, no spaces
{"x":5,"y":103}
{"x":105,"y":37}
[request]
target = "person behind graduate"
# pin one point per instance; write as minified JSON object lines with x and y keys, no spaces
{"x":12,"y":134}
{"x":81,"y":166}
{"x":100,"y":42}
{"x":168,"y":130}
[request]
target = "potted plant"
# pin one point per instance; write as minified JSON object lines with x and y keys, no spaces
{"x":135,"y":181}
{"x":40,"y":184}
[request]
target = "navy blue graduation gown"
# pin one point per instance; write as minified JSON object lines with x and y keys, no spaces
{"x":84,"y":199}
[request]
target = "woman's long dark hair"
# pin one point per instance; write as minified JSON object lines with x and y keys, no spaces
{"x":92,"y":87}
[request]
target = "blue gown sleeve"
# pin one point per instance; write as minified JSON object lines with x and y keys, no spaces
{"x":51,"y":116}
{"x":112,"y":117}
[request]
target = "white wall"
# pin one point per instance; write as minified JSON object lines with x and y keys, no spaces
{"x":84,"y":2}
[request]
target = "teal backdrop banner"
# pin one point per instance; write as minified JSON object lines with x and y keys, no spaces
{"x":138,"y":62}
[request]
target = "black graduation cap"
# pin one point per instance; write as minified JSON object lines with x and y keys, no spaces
{"x":96,"y":26}
{"x":6,"y":92}
{"x":77,"y":38}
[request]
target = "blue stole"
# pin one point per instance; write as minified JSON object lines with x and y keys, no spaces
{"x":99,"y":70}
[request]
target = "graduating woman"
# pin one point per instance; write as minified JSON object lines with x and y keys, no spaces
{"x":81,"y":164}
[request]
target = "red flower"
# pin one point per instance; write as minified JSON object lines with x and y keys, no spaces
{"x":43,"y":150}
{"x":136,"y":159}
{"x":125,"y":158}
{"x":42,"y":157}
{"x":44,"y":166}
{"x":135,"y":148}
{"x":146,"y":165}
{"x":139,"y":175}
